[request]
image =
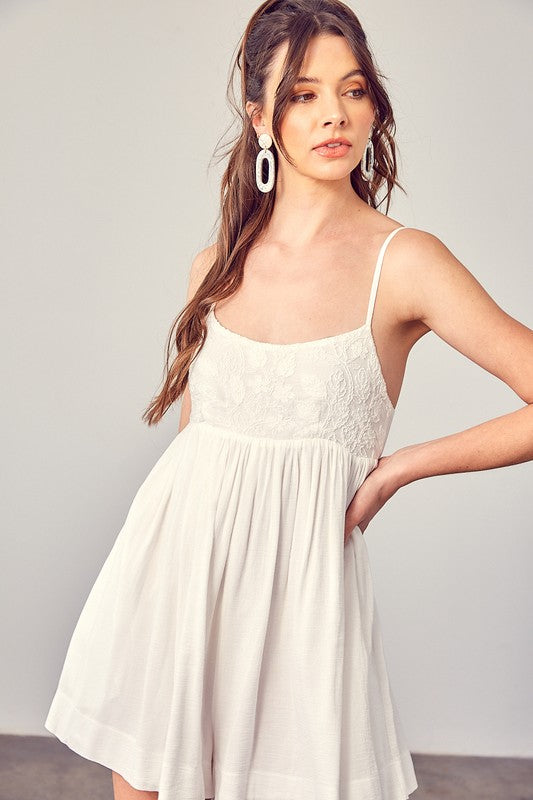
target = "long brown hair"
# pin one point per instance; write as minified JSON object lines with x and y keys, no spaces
{"x":244,"y":210}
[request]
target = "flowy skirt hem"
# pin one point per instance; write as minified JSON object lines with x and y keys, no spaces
{"x":117,"y":751}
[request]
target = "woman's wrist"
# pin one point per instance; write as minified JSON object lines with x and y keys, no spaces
{"x":400,"y":467}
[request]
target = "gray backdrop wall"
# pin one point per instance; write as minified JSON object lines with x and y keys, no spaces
{"x":111,"y":111}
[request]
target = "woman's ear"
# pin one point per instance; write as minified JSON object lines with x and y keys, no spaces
{"x":256,"y":118}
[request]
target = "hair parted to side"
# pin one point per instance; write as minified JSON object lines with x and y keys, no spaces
{"x":244,"y":209}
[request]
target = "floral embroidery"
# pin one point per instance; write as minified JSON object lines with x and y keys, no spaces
{"x":331,"y":388}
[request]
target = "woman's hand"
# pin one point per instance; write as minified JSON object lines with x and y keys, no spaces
{"x":378,"y":487}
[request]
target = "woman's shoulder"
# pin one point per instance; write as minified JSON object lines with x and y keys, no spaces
{"x":415,"y":251}
{"x":409,"y":251}
{"x":420,"y":270}
{"x":379,"y":226}
{"x":417,"y":265}
{"x":200,"y":266}
{"x":203,"y":261}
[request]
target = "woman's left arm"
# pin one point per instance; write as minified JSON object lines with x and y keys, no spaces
{"x":451,"y":302}
{"x":498,"y":442}
{"x":447,"y":298}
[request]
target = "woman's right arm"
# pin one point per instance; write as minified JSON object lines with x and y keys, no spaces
{"x":201,"y":264}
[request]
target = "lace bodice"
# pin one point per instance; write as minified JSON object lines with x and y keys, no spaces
{"x":331,"y":388}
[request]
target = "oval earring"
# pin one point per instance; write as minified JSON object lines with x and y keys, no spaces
{"x":367,"y":161}
{"x":265,"y":141}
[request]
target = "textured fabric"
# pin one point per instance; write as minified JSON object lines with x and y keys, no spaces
{"x":230,"y":646}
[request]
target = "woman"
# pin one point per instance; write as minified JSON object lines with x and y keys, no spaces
{"x":230,"y":646}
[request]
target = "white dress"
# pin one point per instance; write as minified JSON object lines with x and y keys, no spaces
{"x":230,"y":646}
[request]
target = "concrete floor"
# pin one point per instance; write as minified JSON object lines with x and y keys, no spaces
{"x":42,"y":768}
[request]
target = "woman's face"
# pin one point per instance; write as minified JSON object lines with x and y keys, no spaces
{"x":333,"y":106}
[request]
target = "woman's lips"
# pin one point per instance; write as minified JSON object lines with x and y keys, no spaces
{"x":332,"y":152}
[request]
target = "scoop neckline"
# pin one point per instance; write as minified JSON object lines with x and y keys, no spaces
{"x":307,"y":342}
{"x":367,"y":325}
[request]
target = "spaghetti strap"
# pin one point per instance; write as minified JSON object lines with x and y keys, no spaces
{"x":377,"y":272}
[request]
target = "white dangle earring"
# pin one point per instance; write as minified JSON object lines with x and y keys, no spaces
{"x":265,"y":141}
{"x":367,"y":161}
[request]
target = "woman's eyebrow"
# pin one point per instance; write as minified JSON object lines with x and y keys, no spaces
{"x":305,"y":79}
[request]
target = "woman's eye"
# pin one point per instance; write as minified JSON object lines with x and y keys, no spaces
{"x":296,"y":98}
{"x":362,"y":91}
{"x":299,"y":98}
